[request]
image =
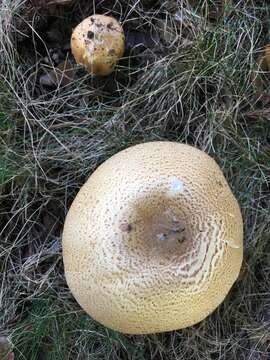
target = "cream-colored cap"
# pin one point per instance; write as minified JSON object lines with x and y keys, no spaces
{"x":154,"y":239}
{"x":98,"y":42}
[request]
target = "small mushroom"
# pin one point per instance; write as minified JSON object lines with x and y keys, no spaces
{"x":154,"y":239}
{"x":98,"y":42}
{"x":261,"y":75}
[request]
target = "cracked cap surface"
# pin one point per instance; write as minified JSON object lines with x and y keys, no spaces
{"x":154,"y":239}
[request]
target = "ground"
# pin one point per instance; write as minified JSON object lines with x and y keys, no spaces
{"x":193,"y":72}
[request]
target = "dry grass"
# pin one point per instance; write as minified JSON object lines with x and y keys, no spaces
{"x":192,"y":82}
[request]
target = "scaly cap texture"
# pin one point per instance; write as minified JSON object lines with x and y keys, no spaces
{"x":154,"y":240}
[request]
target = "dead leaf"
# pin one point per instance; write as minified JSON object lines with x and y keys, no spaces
{"x":261,"y":113}
{"x":61,"y":75}
{"x":5,"y":349}
{"x":244,"y":272}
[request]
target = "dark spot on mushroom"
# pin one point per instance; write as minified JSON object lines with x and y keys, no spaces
{"x":126,"y":227}
{"x":92,"y":20}
{"x":99,"y":25}
{"x":110,"y":26}
{"x":111,"y":52}
{"x":90,"y":34}
{"x":178,"y":230}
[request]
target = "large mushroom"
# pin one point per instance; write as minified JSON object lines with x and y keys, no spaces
{"x":98,"y":42}
{"x":153,"y":240}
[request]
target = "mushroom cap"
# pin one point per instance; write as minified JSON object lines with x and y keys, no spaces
{"x":267,"y":56}
{"x":98,"y":42}
{"x":154,"y":239}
